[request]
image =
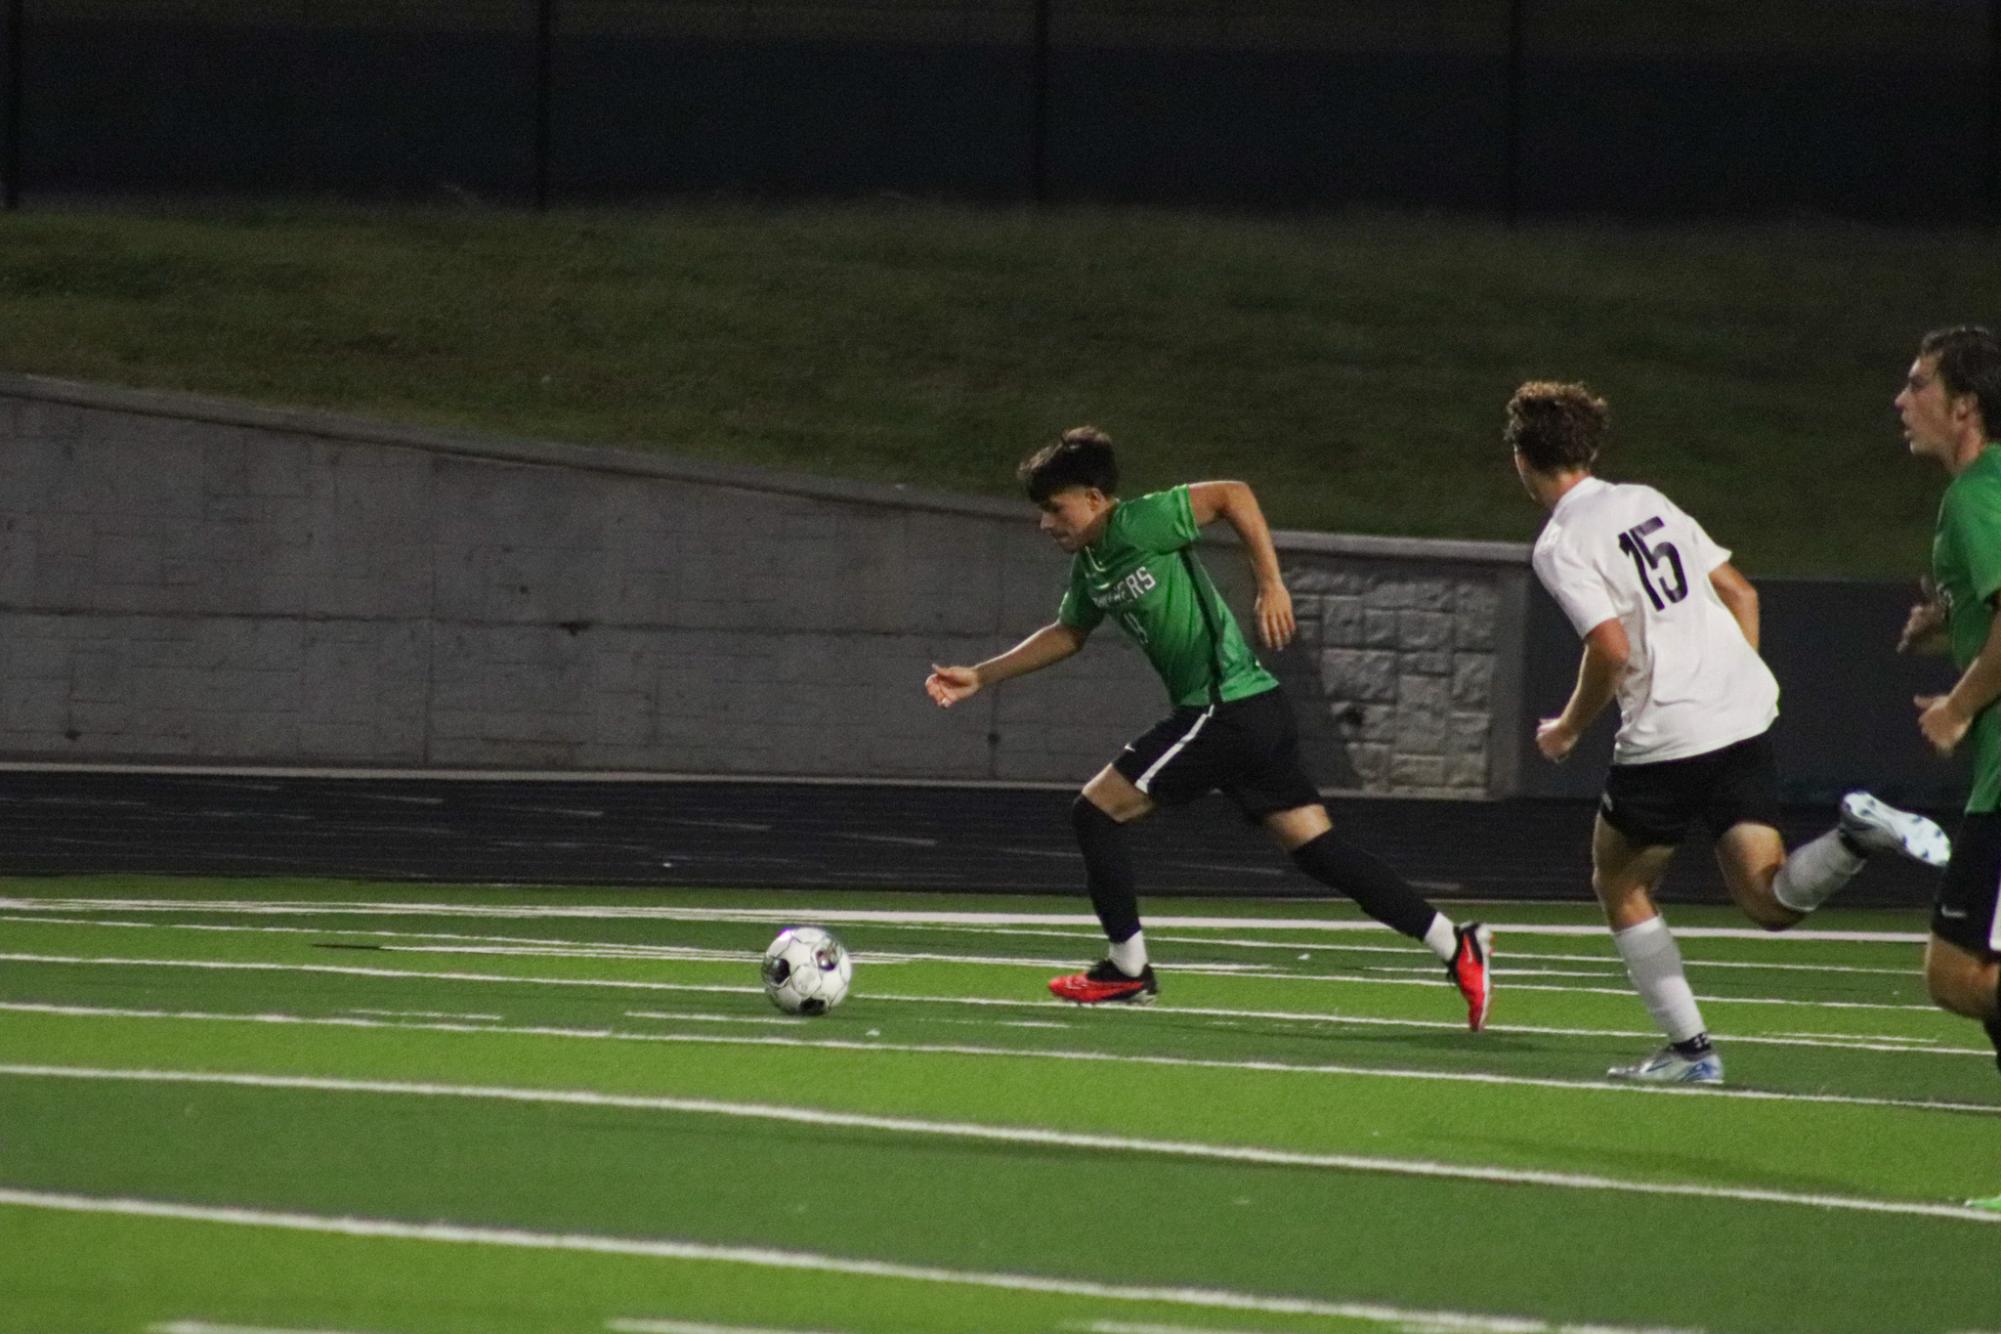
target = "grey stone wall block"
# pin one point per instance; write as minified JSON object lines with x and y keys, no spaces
{"x":1429,"y":694}
{"x":1379,"y":627}
{"x":1434,"y":662}
{"x":1372,"y":764}
{"x":1472,"y":680}
{"x":1419,"y":772}
{"x":1420,"y":732}
{"x":1341,"y":621}
{"x":1365,"y":675}
{"x":1467,"y":774}
{"x":1317,"y":579}
{"x":1476,"y":612}
{"x":1423,"y":630}
{"x":1466,"y":734}
{"x":1405,"y":592}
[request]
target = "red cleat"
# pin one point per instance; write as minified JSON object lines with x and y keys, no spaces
{"x":1472,"y":971}
{"x":1104,"y":982}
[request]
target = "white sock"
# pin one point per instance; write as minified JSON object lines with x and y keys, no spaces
{"x":1814,"y":872}
{"x":1129,"y":955}
{"x":1653,"y":961}
{"x":1442,"y":937}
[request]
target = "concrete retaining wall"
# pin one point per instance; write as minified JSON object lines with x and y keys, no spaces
{"x":186,"y":580}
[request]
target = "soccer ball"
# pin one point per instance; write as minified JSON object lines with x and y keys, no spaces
{"x":806,"y":971}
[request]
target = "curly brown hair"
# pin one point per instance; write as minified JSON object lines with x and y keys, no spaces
{"x":1557,"y":427}
{"x":1081,"y":456}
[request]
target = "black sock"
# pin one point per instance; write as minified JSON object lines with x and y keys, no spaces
{"x":1694,"y":1048}
{"x":1367,"y":879}
{"x":1108,"y":869}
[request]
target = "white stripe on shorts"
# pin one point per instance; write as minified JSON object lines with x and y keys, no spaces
{"x":1994,"y":930}
{"x":1145,"y":783}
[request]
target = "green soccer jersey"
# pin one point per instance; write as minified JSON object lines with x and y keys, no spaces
{"x":1966,"y":563}
{"x":1142,"y":573}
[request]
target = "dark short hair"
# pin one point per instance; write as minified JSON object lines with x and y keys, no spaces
{"x":1969,"y":362}
{"x":1081,"y":456}
{"x":1557,"y":427}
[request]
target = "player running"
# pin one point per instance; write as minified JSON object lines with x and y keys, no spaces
{"x":1670,"y":629}
{"x":1231,"y":727}
{"x":1951,"y":410}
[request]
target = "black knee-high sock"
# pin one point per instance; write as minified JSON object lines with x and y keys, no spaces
{"x":1367,"y":879}
{"x":1108,"y":869}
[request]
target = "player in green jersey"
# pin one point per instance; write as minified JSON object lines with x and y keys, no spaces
{"x":1230,"y":729}
{"x":1951,"y":410}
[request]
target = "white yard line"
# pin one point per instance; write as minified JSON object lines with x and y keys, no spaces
{"x":668,"y":1249}
{"x":1429,"y":980}
{"x":1628,"y":1087}
{"x":1032,"y":1135}
{"x":1609,"y":963}
{"x":423,"y":1014}
{"x":635,"y":1326}
{"x":794,"y":1021}
{"x":1404,"y":1321}
{"x":1892,"y":1041}
{"x":837,"y":915}
{"x":207,"y":1327}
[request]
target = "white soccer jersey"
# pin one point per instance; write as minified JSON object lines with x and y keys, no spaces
{"x":1693,"y":683}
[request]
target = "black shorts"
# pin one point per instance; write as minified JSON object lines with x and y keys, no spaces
{"x":1248,"y":748}
{"x":1654,"y":804}
{"x":1963,"y":911}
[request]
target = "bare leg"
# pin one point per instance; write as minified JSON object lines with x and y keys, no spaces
{"x":1750,"y":856}
{"x":1624,"y":876}
{"x":1963,"y":982}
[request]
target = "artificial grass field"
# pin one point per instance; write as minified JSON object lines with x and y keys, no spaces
{"x":319,"y":1106}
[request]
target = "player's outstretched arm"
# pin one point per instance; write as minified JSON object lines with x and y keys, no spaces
{"x":1606,"y":651}
{"x":1237,"y":505}
{"x":1051,"y":644}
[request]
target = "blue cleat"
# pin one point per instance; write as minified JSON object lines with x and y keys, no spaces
{"x":1668,"y":1066}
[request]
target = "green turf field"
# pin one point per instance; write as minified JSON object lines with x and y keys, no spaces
{"x":337,"y":1107}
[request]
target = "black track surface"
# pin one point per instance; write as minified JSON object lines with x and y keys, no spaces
{"x":784,"y":835}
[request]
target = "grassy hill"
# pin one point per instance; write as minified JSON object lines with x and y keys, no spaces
{"x":1354,"y":368}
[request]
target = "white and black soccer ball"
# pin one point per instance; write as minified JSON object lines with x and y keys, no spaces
{"x":807,"y":971}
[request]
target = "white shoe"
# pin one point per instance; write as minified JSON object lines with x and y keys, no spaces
{"x":1875,"y":827}
{"x":1668,"y":1066}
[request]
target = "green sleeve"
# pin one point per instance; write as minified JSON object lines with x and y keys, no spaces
{"x":1078,"y":611}
{"x":1160,"y":522}
{"x":1973,"y":517}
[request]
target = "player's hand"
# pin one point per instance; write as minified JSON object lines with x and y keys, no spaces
{"x":1927,"y":617}
{"x":1941,"y":722}
{"x":948,"y":685}
{"x":1555,"y":740}
{"x":1276,"y":626}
